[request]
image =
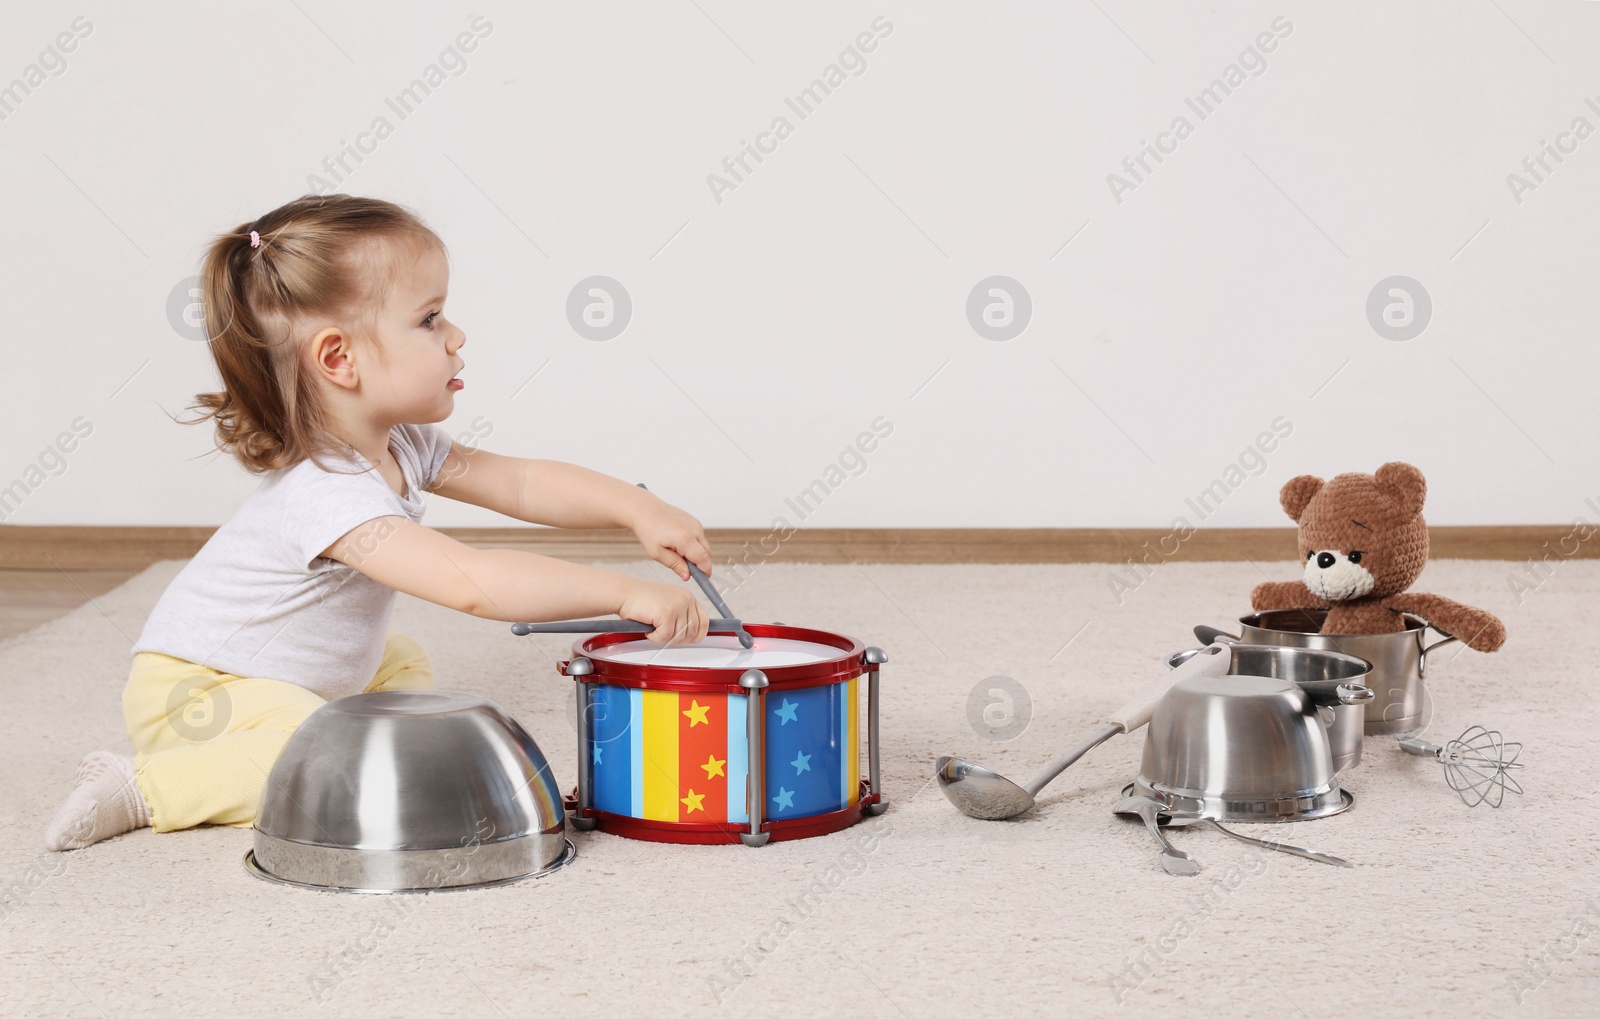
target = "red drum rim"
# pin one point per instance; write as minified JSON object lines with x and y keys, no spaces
{"x":848,"y":664}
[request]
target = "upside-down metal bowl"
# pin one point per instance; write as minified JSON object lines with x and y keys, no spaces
{"x":408,"y":790}
{"x":1245,"y":748}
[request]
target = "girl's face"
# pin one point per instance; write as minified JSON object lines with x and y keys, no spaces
{"x":416,"y":372}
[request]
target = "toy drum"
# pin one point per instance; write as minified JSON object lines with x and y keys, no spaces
{"x":715,"y":743}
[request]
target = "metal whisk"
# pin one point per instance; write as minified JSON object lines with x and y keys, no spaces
{"x":1475,"y":764}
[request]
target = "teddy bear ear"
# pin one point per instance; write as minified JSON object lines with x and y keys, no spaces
{"x":1404,"y":485}
{"x":1296,"y":494}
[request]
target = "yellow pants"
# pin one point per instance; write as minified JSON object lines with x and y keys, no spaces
{"x":206,"y":740}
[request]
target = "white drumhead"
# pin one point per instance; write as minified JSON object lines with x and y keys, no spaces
{"x":718,"y":652}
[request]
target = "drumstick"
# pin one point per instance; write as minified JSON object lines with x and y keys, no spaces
{"x":611,"y":626}
{"x":745,"y":640}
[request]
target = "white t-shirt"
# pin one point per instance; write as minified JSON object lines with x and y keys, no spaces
{"x":257,"y":601}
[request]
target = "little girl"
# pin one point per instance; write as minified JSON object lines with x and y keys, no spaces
{"x":326,"y":322}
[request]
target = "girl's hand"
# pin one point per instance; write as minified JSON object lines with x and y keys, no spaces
{"x":673,"y":611}
{"x":670,"y":536}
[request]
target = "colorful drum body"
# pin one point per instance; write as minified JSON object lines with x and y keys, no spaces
{"x":715,"y":743}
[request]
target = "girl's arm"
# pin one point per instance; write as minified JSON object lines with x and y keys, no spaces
{"x":511,"y":586}
{"x":565,"y":495}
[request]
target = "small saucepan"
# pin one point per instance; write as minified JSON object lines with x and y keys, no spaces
{"x":1345,"y":721}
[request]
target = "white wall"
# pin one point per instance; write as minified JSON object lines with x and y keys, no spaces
{"x":824,"y":290}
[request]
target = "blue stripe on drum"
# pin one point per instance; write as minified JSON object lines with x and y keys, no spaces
{"x":804,"y":753}
{"x":611,"y":730}
{"x":636,"y":751}
{"x":738,"y":757}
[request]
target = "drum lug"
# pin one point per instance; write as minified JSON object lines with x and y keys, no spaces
{"x":579,"y":669}
{"x":569,"y":805}
{"x":874,"y":657}
{"x":755,"y":681}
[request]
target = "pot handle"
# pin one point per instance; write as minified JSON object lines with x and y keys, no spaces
{"x":1327,"y":693}
{"x":1422,"y":659}
{"x":1211,"y":635}
{"x":1137,"y":712}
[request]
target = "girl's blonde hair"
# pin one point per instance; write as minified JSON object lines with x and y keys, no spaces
{"x":318,"y":257}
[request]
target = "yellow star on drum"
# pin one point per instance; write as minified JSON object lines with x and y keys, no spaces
{"x":713,"y":767}
{"x":696,"y":714}
{"x":692,"y":801}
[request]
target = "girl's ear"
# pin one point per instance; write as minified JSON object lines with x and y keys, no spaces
{"x":330,"y":352}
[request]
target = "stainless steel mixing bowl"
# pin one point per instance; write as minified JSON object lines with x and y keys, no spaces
{"x":409,"y":790}
{"x":1346,"y":722}
{"x":1245,"y":748}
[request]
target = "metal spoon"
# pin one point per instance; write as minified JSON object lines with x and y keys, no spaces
{"x":978,"y":792}
{"x":1183,"y":820}
{"x":1173,"y":861}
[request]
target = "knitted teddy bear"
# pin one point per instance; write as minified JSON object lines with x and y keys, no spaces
{"x":1363,"y":542}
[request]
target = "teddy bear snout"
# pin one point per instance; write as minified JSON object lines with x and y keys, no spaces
{"x":1332,"y":576}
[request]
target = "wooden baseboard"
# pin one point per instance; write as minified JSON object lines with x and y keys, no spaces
{"x":134,"y":548}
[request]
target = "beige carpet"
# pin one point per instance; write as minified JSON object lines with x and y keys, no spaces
{"x":1449,"y":911}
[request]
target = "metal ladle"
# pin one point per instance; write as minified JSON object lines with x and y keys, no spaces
{"x":978,"y":792}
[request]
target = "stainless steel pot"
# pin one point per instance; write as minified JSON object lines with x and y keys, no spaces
{"x":1245,"y":748}
{"x":1303,"y":665}
{"x":1399,"y":660}
{"x":410,"y":790}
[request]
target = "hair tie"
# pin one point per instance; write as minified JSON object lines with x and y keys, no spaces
{"x":255,"y":239}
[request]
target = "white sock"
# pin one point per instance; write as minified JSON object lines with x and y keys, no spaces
{"x":104,"y":801}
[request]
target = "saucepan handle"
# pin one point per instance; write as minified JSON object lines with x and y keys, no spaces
{"x":1211,"y":635}
{"x":1328,"y":693}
